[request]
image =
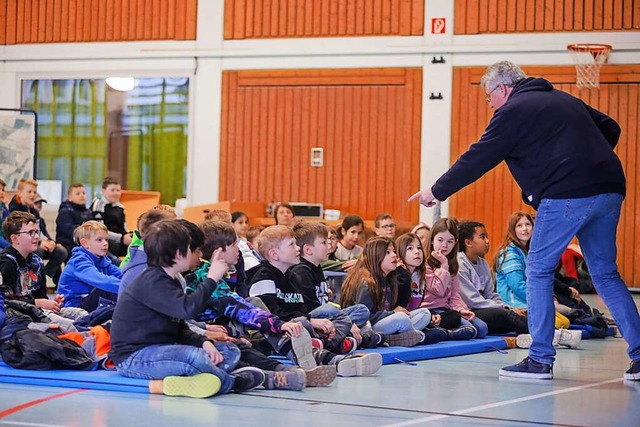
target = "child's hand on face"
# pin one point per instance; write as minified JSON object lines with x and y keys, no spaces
{"x":218,"y":266}
{"x":440,"y":257}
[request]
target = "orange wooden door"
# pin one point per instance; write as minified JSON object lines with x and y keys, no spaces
{"x":492,"y":198}
{"x":367,"y":121}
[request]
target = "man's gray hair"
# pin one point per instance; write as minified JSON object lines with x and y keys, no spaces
{"x":505,"y":72}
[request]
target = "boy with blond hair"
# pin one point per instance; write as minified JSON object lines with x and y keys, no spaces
{"x":90,"y":274}
{"x":271,"y":283}
{"x":48,"y":249}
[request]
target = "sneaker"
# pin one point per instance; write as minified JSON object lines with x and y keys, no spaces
{"x":528,"y":368}
{"x":198,"y":386}
{"x":347,"y":346}
{"x":512,"y":342}
{"x":564,"y":337}
{"x":633,"y":373}
{"x":317,"y":343}
{"x":567,"y":338}
{"x":466,"y":332}
{"x":357,"y":365}
{"x":303,"y":350}
{"x":524,"y":340}
{"x":405,"y":339}
{"x":293,"y":379}
{"x":320,"y":376}
{"x":372,"y":339}
{"x":434,"y":335}
{"x":247,"y":378}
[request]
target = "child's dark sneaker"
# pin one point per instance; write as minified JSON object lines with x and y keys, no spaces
{"x":528,"y":368}
{"x":347,"y":346}
{"x":198,"y":386}
{"x":247,"y":378}
{"x":462,"y":333}
{"x":320,"y":376}
{"x":434,"y":335}
{"x":361,"y":364}
{"x":372,"y":339}
{"x":405,"y":339}
{"x":317,"y":343}
{"x":293,"y":379}
{"x":303,"y":350}
{"x":633,"y":373}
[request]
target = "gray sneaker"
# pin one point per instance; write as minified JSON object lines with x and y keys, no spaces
{"x":303,"y":350}
{"x":293,"y":379}
{"x":357,"y":365}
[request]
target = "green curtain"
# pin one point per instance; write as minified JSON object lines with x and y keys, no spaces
{"x":86,"y":132}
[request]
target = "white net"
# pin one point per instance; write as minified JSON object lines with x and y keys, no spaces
{"x":589,"y":58}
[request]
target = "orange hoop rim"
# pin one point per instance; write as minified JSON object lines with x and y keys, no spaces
{"x":590,"y":47}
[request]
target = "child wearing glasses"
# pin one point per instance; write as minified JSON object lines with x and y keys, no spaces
{"x":384,"y":226}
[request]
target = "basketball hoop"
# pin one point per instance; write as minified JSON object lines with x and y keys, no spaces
{"x":589,"y":58}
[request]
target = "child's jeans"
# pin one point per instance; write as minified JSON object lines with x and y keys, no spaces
{"x":400,"y":322}
{"x":359,"y":313}
{"x":156,"y":362}
{"x":477,"y":323}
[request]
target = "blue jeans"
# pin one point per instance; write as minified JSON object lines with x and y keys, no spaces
{"x":594,"y":221}
{"x":399,"y":322}
{"x":359,"y":313}
{"x":156,"y":362}
{"x":481,"y":327}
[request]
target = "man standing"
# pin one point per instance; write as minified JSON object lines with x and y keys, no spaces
{"x":560,"y":152}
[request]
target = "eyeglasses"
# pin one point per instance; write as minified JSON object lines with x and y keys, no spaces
{"x":487,"y":97}
{"x":388,"y":226}
{"x":31,"y":233}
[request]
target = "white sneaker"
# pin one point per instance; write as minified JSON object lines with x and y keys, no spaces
{"x":567,"y":338}
{"x":564,"y":337}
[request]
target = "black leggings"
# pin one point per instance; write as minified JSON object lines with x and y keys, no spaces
{"x":502,"y":320}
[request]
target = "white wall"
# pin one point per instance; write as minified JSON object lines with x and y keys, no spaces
{"x":204,"y":60}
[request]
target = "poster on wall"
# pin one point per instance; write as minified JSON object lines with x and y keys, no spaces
{"x":17,"y":142}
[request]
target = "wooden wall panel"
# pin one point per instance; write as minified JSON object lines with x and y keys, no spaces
{"x":245,"y":19}
{"x":492,"y":198}
{"x":63,"y":21}
{"x":366,"y":120}
{"x":520,"y":16}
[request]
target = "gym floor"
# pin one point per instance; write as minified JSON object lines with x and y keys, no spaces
{"x":588,"y":390}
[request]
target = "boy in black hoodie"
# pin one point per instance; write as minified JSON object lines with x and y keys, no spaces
{"x":72,"y":213}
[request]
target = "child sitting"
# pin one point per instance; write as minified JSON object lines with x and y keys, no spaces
{"x":21,"y":269}
{"x":137,"y":256}
{"x":107,"y":209}
{"x":136,"y":238}
{"x":252,"y":240}
{"x":384,"y":226}
{"x":4,"y":213}
{"x":269,"y":282}
{"x":72,"y":213}
{"x":349,"y":235}
{"x":308,"y":278}
{"x":24,"y":201}
{"x":149,"y":337}
{"x":89,"y":275}
{"x":443,"y":288}
{"x":372,"y":282}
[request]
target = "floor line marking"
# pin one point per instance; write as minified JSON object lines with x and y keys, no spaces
{"x":22,"y":423}
{"x":498,"y":404}
{"x":36,"y":402}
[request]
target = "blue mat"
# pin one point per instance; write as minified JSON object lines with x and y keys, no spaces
{"x":94,"y":380}
{"x":586,"y":331}
{"x":112,"y":381}
{"x":434,"y":351}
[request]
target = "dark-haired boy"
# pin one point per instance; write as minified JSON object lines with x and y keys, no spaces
{"x":156,"y":304}
{"x":72,"y":213}
{"x":107,"y":209}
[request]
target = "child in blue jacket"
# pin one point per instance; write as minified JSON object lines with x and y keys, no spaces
{"x":89,"y":275}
